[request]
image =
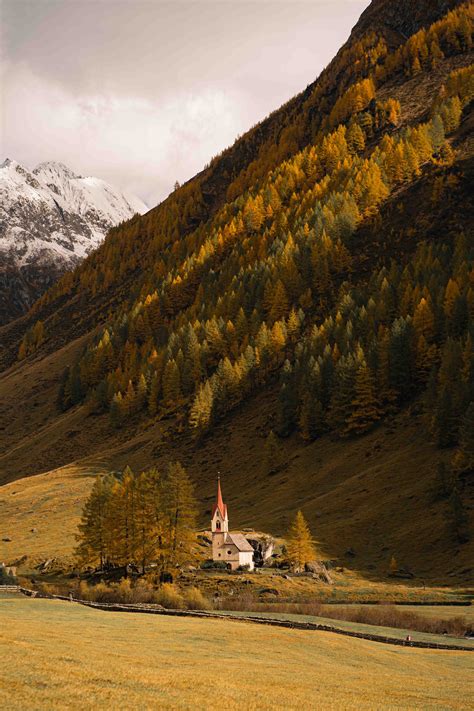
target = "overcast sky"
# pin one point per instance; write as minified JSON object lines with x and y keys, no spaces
{"x":144,"y":92}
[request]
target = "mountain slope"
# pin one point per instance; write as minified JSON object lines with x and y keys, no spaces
{"x":50,"y":220}
{"x":315,"y":280}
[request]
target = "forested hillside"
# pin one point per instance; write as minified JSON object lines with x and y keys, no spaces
{"x":323,"y":263}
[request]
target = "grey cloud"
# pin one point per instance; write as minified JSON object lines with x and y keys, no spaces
{"x":144,"y":93}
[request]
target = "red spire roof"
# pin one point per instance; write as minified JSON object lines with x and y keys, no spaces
{"x":219,"y":501}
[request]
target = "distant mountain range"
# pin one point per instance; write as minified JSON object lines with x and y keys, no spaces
{"x":50,"y":219}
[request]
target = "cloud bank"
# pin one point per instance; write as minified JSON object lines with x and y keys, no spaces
{"x":144,"y":93}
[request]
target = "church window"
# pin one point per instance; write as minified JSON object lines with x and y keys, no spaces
{"x":229,"y":552}
{"x":218,"y":525}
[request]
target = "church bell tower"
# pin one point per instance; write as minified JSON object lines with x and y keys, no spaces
{"x":219,"y":521}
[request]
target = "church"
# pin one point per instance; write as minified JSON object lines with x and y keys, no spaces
{"x":231,"y":548}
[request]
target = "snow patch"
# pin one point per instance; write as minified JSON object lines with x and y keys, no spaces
{"x":53,"y":214}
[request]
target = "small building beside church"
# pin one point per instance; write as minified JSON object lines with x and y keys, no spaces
{"x":230,"y":548}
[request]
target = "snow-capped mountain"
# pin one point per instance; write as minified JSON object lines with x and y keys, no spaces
{"x":50,"y":219}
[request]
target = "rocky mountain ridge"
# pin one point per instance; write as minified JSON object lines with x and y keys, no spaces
{"x":50,"y":219}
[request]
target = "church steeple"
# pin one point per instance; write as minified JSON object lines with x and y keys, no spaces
{"x":220,"y":521}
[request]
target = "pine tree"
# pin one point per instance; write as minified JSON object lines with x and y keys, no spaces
{"x":180,"y":513}
{"x":201,"y":410}
{"x":423,"y":320}
{"x":444,"y":421}
{"x":23,"y":349}
{"x":278,"y":337}
{"x":401,"y":358}
{"x":141,"y":393}
{"x":130,"y":400}
{"x":117,"y":410}
{"x":148,"y":525}
{"x":279,"y":306}
{"x":355,"y":138}
{"x":93,"y":537}
{"x":171,"y":383}
{"x":342,"y":395}
{"x":123,"y":514}
{"x":365,"y":408}
{"x":300,"y":546}
{"x":311,"y":419}
{"x":451,"y":294}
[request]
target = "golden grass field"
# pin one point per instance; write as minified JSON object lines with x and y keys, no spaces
{"x":58,"y":655}
{"x":40,"y":514}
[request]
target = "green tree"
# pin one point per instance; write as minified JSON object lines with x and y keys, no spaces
{"x":171,"y":383}
{"x":365,"y":406}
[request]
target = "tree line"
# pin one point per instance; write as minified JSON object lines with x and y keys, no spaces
{"x":138,"y":519}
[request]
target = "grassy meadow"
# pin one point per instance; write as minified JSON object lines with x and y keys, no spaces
{"x":364,"y":628}
{"x":40,"y":514}
{"x":59,"y":655}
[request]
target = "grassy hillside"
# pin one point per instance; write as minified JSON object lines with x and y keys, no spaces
{"x":40,"y":514}
{"x":376,"y":495}
{"x":67,"y":654}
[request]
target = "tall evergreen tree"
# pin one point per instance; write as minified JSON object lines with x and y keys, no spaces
{"x":179,"y":507}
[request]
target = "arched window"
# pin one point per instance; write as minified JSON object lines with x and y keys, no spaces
{"x":218,"y":525}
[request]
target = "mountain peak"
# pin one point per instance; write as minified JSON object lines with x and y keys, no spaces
{"x":10,"y":163}
{"x":54,"y":168}
{"x":50,"y":219}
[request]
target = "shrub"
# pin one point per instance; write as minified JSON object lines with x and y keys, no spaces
{"x":169,"y":597}
{"x":83,"y":591}
{"x":215,"y":564}
{"x":392,"y":616}
{"x":6,"y":578}
{"x":195,"y":600}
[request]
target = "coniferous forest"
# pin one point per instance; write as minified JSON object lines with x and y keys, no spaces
{"x":270,"y":287}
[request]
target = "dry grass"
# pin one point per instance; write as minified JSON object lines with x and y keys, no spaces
{"x":57,"y":655}
{"x":40,"y":514}
{"x":400,"y":617}
{"x":392,"y":616}
{"x":128,"y":592}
